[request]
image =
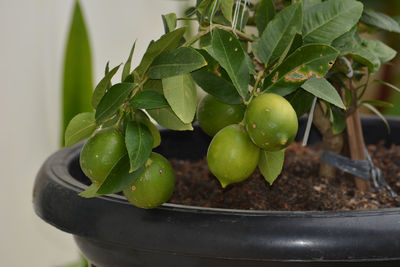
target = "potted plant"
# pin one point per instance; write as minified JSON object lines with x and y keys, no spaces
{"x":308,"y":57}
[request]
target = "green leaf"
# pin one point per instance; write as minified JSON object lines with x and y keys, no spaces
{"x":226,"y":49}
{"x":141,"y":117}
{"x":80,"y":127}
{"x":153,"y":85}
{"x":264,"y":14}
{"x":181,"y":94}
{"x":127,"y":67}
{"x":309,"y":3}
{"x":203,"y":6}
{"x":338,"y":120}
{"x":328,"y":20}
{"x":378,"y":113}
{"x":217,"y":86}
{"x":119,"y":177}
{"x":168,"y":119}
{"x":271,"y":164}
{"x":102,"y":86}
{"x":279,"y":33}
{"x":388,"y":85}
{"x":323,"y":89}
{"x":379,"y":49}
{"x":301,"y":101}
{"x":139,"y":142}
{"x":312,"y":60}
{"x":378,"y":103}
{"x":149,"y":99}
{"x":380,"y":20}
{"x":90,"y":192}
{"x":226,"y":9}
{"x":167,"y":42}
{"x":169,"y":21}
{"x":112,"y":101}
{"x":77,"y":77}
{"x":178,"y":61}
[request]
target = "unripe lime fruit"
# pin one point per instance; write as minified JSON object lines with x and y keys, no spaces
{"x":155,"y":184}
{"x":231,"y":156}
{"x":100,"y":154}
{"x":213,"y":115}
{"x":271,"y":122}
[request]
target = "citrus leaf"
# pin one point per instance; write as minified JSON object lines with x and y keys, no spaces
{"x":312,"y":60}
{"x":338,"y":119}
{"x":328,"y":20}
{"x":167,"y":42}
{"x":226,"y":9}
{"x":217,"y":86}
{"x":90,"y":192}
{"x":119,"y":177}
{"x":169,"y":21}
{"x":378,"y":113}
{"x":301,"y":101}
{"x":168,"y":119}
{"x":380,"y":20}
{"x":378,"y":103}
{"x":309,"y":3}
{"x":77,"y":76}
{"x":139,"y":142}
{"x":141,"y":117}
{"x":323,"y":89}
{"x":102,"y":86}
{"x":379,"y":49}
{"x":127,"y":67}
{"x":271,"y":164}
{"x":279,"y":33}
{"x":112,"y":101}
{"x":388,"y":85}
{"x":149,"y":99}
{"x":181,"y":94}
{"x":80,"y":127}
{"x":264,"y":14}
{"x":178,"y":61}
{"x":226,"y":49}
{"x":203,"y":6}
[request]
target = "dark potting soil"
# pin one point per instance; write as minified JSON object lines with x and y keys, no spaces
{"x":299,"y":187}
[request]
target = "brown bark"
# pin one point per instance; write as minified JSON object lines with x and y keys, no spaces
{"x":331,"y":142}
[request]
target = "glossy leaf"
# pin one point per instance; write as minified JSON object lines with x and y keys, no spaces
{"x":227,"y":9}
{"x":264,"y":14}
{"x":180,"y":92}
{"x":380,"y":20}
{"x":338,"y":120}
{"x":139,"y":142}
{"x":90,"y":192}
{"x":169,"y":21}
{"x":271,"y":164}
{"x":378,"y":113}
{"x":203,"y":6}
{"x":328,"y":20}
{"x":77,"y":76}
{"x":127,"y":67}
{"x":313,"y":60}
{"x":149,"y":99}
{"x":217,"y":86}
{"x":112,"y":101}
{"x":301,"y":101}
{"x":153,"y":85}
{"x":323,"y":89}
{"x":80,"y":127}
{"x":141,"y":117}
{"x":102,"y":86}
{"x":167,"y":42}
{"x":226,"y":49}
{"x":119,"y":177}
{"x":279,"y":33}
{"x":178,"y":61}
{"x":168,"y":119}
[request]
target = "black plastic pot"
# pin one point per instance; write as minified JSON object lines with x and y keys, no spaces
{"x":111,"y":232}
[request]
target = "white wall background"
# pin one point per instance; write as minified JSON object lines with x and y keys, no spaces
{"x":32,"y":37}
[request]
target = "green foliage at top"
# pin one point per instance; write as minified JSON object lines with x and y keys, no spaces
{"x":310,"y":49}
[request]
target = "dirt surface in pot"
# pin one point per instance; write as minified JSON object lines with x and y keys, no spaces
{"x":299,"y":187}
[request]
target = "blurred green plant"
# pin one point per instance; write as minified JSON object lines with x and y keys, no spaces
{"x":78,"y":77}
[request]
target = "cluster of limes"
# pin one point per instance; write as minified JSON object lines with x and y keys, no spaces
{"x":268,"y":123}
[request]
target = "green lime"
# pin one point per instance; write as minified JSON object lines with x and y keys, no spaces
{"x":155,"y":184}
{"x":213,"y":115}
{"x":271,"y":122}
{"x":231,"y":156}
